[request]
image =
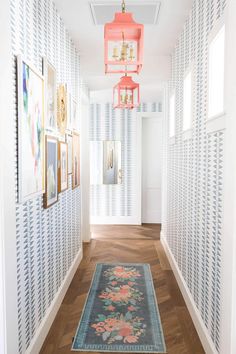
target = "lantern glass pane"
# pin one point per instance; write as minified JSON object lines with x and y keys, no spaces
{"x":126,"y":96}
{"x":122,"y":51}
{"x":116,"y":97}
{"x":135,"y":96}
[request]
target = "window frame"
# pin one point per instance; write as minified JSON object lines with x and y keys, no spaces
{"x":172,"y":95}
{"x":212,"y":37}
{"x":187,"y":133}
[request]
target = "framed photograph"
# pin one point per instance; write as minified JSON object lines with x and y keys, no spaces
{"x":69,"y":140}
{"x":51,"y":193}
{"x":62,"y":166}
{"x":74,"y":112}
{"x":30,"y":131}
{"x":50,"y":76}
{"x":75,"y":160}
{"x":112,"y":173}
{"x":62,"y":108}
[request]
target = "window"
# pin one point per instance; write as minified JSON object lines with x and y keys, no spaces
{"x":216,"y":74}
{"x":172,"y":116}
{"x":187,"y":114}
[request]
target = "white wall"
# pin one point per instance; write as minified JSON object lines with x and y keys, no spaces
{"x":229,"y":250}
{"x":8,"y":289}
{"x":85,"y":166}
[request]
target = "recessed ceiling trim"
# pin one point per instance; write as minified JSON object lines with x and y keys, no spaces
{"x":144,"y":12}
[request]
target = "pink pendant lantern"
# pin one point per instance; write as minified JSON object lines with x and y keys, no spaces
{"x":123,"y":44}
{"x":126,"y":93}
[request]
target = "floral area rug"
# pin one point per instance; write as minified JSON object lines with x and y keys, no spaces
{"x":121,"y":312}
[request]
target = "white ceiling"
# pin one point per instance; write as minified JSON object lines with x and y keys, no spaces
{"x":159,"y":40}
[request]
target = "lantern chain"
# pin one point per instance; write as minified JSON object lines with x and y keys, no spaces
{"x":123,"y":6}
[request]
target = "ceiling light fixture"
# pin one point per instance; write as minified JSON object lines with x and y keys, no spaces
{"x":126,"y":93}
{"x":123,"y":44}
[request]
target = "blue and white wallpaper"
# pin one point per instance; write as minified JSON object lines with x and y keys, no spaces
{"x":193,"y":171}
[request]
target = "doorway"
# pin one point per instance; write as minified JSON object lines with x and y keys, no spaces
{"x":151,"y":167}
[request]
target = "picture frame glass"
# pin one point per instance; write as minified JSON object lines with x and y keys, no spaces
{"x":30,"y":132}
{"x":112,"y":173}
{"x":51,"y":171}
{"x":63,"y":170}
{"x":76,"y":161}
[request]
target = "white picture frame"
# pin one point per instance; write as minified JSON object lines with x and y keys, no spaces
{"x":31,"y":143}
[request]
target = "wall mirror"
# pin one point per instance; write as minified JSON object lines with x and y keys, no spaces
{"x":105,"y":162}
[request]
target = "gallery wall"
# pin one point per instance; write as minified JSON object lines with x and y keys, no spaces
{"x":193,"y":182}
{"x":48,"y":241}
{"x":115,"y":204}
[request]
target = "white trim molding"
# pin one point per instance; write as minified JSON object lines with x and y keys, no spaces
{"x":45,"y":325}
{"x":206,"y":341}
{"x":115,"y":220}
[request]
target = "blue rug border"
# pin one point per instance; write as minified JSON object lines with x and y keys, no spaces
{"x":155,"y":317}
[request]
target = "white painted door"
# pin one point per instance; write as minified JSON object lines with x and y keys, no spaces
{"x":151,"y":169}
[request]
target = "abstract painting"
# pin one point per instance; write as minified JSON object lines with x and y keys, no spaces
{"x":76,"y":161}
{"x":69,"y":143}
{"x":51,"y":194}
{"x":30,"y":131}
{"x":112,"y":173}
{"x":62,"y":108}
{"x":50,"y":95}
{"x":63,"y":167}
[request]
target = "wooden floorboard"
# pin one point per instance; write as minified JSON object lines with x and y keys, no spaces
{"x":129,"y":244}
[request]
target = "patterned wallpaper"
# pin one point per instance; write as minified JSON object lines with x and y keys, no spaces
{"x":47,"y":241}
{"x":107,"y":123}
{"x":193,"y":169}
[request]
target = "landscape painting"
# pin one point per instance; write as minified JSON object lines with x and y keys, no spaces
{"x":30,"y":131}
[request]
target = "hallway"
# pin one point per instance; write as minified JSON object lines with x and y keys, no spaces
{"x":136,"y":244}
{"x":117,"y":144}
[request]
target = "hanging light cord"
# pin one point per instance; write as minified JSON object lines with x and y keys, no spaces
{"x":123,"y":6}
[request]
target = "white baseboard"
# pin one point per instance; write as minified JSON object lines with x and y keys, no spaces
{"x":204,"y":336}
{"x":45,"y":325}
{"x":115,"y":220}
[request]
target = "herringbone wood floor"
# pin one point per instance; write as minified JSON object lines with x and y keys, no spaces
{"x":126,"y":244}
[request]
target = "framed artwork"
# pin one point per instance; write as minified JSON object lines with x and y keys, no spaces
{"x":75,"y":160}
{"x":112,"y":173}
{"x":69,"y":140}
{"x":62,"y":108}
{"x":50,"y":76}
{"x":30,"y":131}
{"x":74,"y":112}
{"x":63,"y":166}
{"x":51,"y":193}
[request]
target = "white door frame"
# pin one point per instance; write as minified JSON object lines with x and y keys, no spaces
{"x":140,"y":117}
{"x":85,"y":167}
